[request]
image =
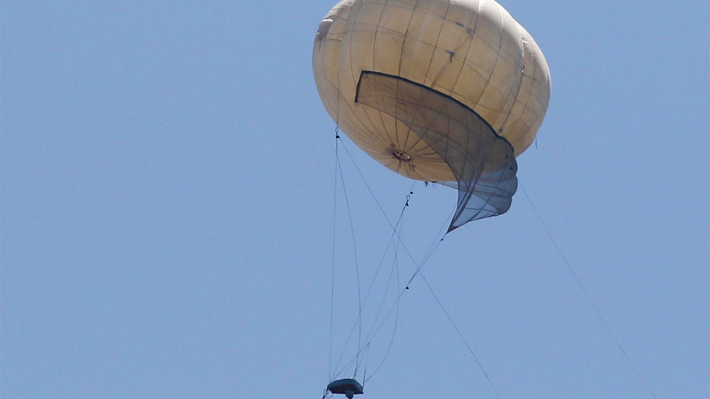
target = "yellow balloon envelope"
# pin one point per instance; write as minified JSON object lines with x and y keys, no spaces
{"x":449,"y":91}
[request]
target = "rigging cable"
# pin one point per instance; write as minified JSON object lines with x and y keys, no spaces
{"x":586,"y":294}
{"x":361,"y":302}
{"x":395,"y":267}
{"x":470,"y":350}
{"x":332,"y":263}
{"x":432,"y":248}
{"x":357,"y":268}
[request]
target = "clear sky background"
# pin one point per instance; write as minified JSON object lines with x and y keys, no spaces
{"x":168,"y":195}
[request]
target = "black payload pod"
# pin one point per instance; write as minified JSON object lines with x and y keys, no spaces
{"x":346,"y":386}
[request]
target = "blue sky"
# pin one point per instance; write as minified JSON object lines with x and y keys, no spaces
{"x":167,"y":213}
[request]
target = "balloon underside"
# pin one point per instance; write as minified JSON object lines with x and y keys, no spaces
{"x":483,"y":163}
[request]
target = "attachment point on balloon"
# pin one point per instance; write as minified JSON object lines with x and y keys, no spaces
{"x":401,"y":155}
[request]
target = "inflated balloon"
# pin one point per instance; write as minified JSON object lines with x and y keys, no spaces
{"x":449,"y":91}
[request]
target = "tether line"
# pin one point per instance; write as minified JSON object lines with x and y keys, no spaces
{"x":470,"y":350}
{"x":584,"y":290}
